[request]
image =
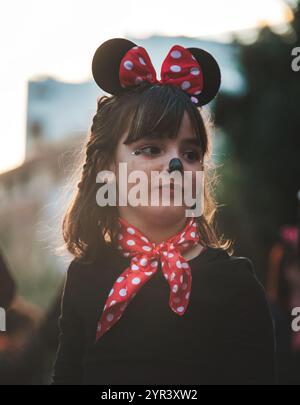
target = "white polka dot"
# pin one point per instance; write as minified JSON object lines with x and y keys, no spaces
{"x":147,"y":248}
{"x":166,"y":276}
{"x":109,"y":317}
{"x":111,"y":291}
{"x":148,"y":273}
{"x":185,"y":265}
{"x":181,"y":279}
{"x":136,"y":280}
{"x":154,"y":264}
{"x":119,"y":279}
{"x":142,"y":62}
{"x":187,"y":296}
{"x":144,"y":239}
{"x":128,"y":65}
{"x":175,"y":288}
{"x":131,"y":231}
{"x":130,"y":242}
{"x":138,"y":80}
{"x":123,"y":292}
{"x":172,"y":276}
{"x":143,"y":261}
{"x":180,"y":309}
{"x":175,"y":68}
{"x":112,"y":303}
{"x":165,"y":253}
{"x":195,"y":71}
{"x":193,"y":234}
{"x":170,"y":255}
{"x":176,"y":54}
{"x":178,"y":264}
{"x":134,"y":267}
{"x":181,"y":240}
{"x":185,"y":85}
{"x":194,"y":99}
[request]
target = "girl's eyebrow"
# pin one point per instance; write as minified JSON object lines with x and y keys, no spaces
{"x":191,"y":141}
{"x":148,"y":137}
{"x":156,"y":136}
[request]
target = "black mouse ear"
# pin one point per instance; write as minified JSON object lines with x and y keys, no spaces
{"x":211,"y":75}
{"x":106,"y":64}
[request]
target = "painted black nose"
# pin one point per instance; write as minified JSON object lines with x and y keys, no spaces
{"x":175,"y":164}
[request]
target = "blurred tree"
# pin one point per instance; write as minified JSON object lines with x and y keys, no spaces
{"x":261,"y":172}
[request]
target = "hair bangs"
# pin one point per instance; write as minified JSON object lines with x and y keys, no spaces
{"x":159,"y":112}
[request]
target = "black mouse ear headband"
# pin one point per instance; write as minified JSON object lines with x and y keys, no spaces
{"x":119,"y":64}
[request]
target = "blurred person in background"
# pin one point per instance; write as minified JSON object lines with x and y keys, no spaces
{"x":283,"y":289}
{"x":18,"y":363}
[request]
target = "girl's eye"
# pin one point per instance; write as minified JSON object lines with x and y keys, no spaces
{"x":148,"y":150}
{"x":192,"y":156}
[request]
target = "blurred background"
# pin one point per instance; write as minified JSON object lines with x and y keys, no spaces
{"x":47,"y":101}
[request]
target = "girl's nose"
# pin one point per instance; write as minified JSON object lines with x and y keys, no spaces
{"x":172,"y":161}
{"x":175,"y":164}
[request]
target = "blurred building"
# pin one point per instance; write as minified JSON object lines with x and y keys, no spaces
{"x":57,"y":111}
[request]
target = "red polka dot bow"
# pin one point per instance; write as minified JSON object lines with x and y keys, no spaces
{"x":119,"y":64}
{"x":145,"y":257}
{"x":179,"y":68}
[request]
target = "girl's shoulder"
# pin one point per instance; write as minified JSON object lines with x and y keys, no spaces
{"x":219,"y":258}
{"x":104,"y":261}
{"x":228,"y":275}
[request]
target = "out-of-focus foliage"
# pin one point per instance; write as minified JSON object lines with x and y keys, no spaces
{"x":261,"y":169}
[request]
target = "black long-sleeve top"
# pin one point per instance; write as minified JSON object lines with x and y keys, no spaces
{"x":225,"y":336}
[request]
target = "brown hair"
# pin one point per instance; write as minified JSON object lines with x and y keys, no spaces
{"x":144,"y":109}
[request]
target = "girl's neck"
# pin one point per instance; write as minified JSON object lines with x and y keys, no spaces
{"x":156,"y":232}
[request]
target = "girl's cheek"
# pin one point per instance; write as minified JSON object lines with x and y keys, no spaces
{"x":193,"y":187}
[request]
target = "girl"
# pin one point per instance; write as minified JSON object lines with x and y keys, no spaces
{"x":153,"y":296}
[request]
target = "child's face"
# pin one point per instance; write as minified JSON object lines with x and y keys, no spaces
{"x":149,"y":155}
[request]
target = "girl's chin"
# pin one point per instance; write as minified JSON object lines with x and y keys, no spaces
{"x":162,"y":215}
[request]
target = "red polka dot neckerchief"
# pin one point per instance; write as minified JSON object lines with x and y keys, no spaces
{"x":179,"y":68}
{"x":143,"y":266}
